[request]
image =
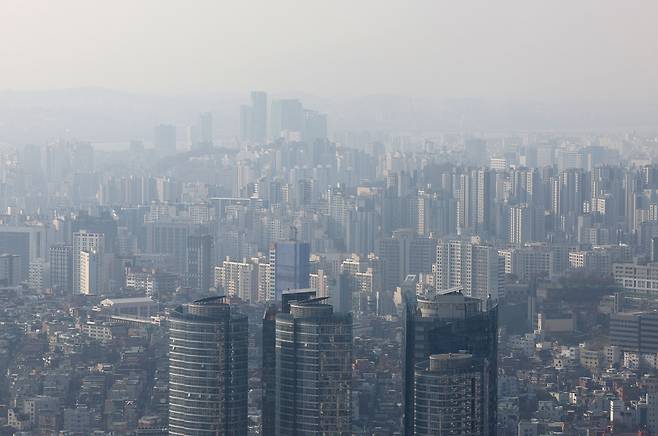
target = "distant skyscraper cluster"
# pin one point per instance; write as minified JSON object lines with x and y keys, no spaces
{"x":287,"y":119}
{"x":200,"y":135}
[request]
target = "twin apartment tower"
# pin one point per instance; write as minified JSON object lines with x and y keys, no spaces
{"x":449,"y":367}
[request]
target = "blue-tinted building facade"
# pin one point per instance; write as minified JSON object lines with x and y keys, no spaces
{"x":291,"y":266}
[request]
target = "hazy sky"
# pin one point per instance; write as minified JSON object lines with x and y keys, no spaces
{"x":580,"y":49}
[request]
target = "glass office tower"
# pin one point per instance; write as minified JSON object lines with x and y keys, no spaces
{"x":313,"y":370}
{"x":452,"y":323}
{"x":289,"y":265}
{"x":207,"y":369}
{"x":448,"y":396}
{"x":269,"y":354}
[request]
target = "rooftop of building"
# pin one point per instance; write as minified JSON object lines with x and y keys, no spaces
{"x":127,"y":301}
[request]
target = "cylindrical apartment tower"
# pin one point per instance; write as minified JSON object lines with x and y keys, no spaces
{"x":207,"y":369}
{"x":313,"y":370}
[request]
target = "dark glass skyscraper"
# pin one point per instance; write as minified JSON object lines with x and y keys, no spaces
{"x":290,"y":266}
{"x":448,"y":396}
{"x":207,"y":369}
{"x":313,"y":370}
{"x":452,"y":323}
{"x":199,"y":271}
{"x":269,"y":355}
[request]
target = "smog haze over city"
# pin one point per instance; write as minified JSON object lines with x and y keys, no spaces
{"x":298,"y":218}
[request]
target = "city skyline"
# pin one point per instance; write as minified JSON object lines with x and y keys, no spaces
{"x":373,"y":218}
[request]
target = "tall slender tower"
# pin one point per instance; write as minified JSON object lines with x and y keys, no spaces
{"x":199,"y":271}
{"x":61,"y":267}
{"x":205,"y":130}
{"x":521,"y":220}
{"x":631,"y":185}
{"x":84,"y":241}
{"x":313,"y":370}
{"x":452,"y":323}
{"x":208,"y":369}
{"x":484,"y":192}
{"x":269,"y":354}
{"x":258,"y":116}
